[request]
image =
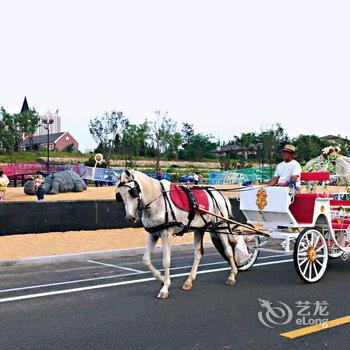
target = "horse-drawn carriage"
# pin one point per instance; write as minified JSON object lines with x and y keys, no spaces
{"x":316,"y":226}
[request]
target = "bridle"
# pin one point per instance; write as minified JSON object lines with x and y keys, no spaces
{"x":135,"y":192}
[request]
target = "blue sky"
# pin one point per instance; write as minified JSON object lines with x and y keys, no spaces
{"x":226,"y":66}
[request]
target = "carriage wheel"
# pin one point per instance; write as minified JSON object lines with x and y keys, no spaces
{"x":334,"y":251}
{"x":310,"y":255}
{"x":253,"y":243}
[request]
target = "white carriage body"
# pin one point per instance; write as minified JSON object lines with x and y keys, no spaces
{"x":277,"y":210}
{"x":317,"y":224}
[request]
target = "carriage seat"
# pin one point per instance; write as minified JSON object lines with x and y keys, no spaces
{"x":180,"y":198}
{"x":340,"y":223}
{"x":303,"y":206}
{"x":304,"y":203}
{"x":315,"y":176}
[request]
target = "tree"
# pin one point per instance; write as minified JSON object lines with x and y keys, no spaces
{"x":69,"y":148}
{"x":247,"y":142}
{"x":15,"y":127}
{"x":175,"y":142}
{"x":308,"y":146}
{"x":200,"y":147}
{"x":107,"y":131}
{"x":163,"y":134}
{"x":134,"y":139}
{"x":187,"y":133}
{"x":270,"y":142}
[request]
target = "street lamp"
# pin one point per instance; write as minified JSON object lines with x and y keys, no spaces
{"x":47,"y":120}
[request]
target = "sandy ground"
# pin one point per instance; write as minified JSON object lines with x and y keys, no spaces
{"x":108,"y":192}
{"x":55,"y":243}
{"x":92,"y":193}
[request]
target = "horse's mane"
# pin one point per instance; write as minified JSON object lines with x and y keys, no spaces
{"x":147,"y":184}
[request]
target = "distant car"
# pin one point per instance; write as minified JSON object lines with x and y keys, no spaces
{"x":155,"y":175}
{"x":186,"y":178}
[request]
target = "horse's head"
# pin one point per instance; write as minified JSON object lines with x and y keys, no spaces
{"x":129,"y":192}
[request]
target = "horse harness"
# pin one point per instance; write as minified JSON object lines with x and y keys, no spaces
{"x":194,"y":209}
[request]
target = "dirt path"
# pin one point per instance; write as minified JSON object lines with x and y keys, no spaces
{"x":92,"y":193}
{"x":55,"y":243}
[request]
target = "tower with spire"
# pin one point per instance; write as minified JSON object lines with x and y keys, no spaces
{"x":25,"y":107}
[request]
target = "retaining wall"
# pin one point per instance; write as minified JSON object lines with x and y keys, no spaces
{"x":61,"y":216}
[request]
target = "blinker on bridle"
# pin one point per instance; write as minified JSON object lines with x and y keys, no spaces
{"x":133,"y":191}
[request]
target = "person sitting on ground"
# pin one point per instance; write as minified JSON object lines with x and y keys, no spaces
{"x":38,"y":187}
{"x":4,"y":181}
{"x":288,"y":172}
{"x":198,"y":178}
{"x":159,"y":174}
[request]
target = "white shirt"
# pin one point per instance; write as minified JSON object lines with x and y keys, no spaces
{"x":285,"y":171}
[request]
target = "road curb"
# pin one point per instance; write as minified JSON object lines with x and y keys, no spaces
{"x":104,"y":254}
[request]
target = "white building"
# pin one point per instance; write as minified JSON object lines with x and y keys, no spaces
{"x":55,"y":127}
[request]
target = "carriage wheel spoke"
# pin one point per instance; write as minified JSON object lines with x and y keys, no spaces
{"x":315,"y":269}
{"x":306,"y":266}
{"x":304,"y":246}
{"x":318,"y":249}
{"x":307,"y":240}
{"x":310,"y":271}
{"x":312,"y":238}
{"x":303,"y":262}
{"x":319,"y":262}
{"x":317,"y":240}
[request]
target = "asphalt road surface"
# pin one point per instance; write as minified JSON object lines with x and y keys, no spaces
{"x":111,"y":304}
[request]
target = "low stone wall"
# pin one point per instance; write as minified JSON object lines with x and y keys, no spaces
{"x":61,"y":216}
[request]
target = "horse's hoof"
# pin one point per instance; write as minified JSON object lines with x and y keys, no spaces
{"x":230,"y":282}
{"x":163,"y":295}
{"x":187,"y":286}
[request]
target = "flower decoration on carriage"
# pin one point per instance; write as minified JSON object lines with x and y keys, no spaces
{"x":331,"y":153}
{"x":331,"y":160}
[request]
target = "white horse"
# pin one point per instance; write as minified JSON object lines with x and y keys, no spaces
{"x":148,"y":200}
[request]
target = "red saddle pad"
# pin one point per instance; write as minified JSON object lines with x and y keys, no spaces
{"x":180,"y":199}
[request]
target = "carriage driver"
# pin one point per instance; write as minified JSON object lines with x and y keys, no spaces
{"x":288,"y":172}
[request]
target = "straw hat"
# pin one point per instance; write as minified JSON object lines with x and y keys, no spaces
{"x":289,"y":148}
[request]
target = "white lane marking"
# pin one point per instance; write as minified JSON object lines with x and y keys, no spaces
{"x":42,"y":271}
{"x":117,"y":266}
{"x":122,"y":283}
{"x":37,"y":286}
{"x":116,"y":276}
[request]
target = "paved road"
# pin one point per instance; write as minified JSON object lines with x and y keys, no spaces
{"x":111,"y":304}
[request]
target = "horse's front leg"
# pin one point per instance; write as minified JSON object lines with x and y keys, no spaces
{"x":164,"y":292}
{"x":230,"y":255}
{"x":151,"y":245}
{"x":198,"y":253}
